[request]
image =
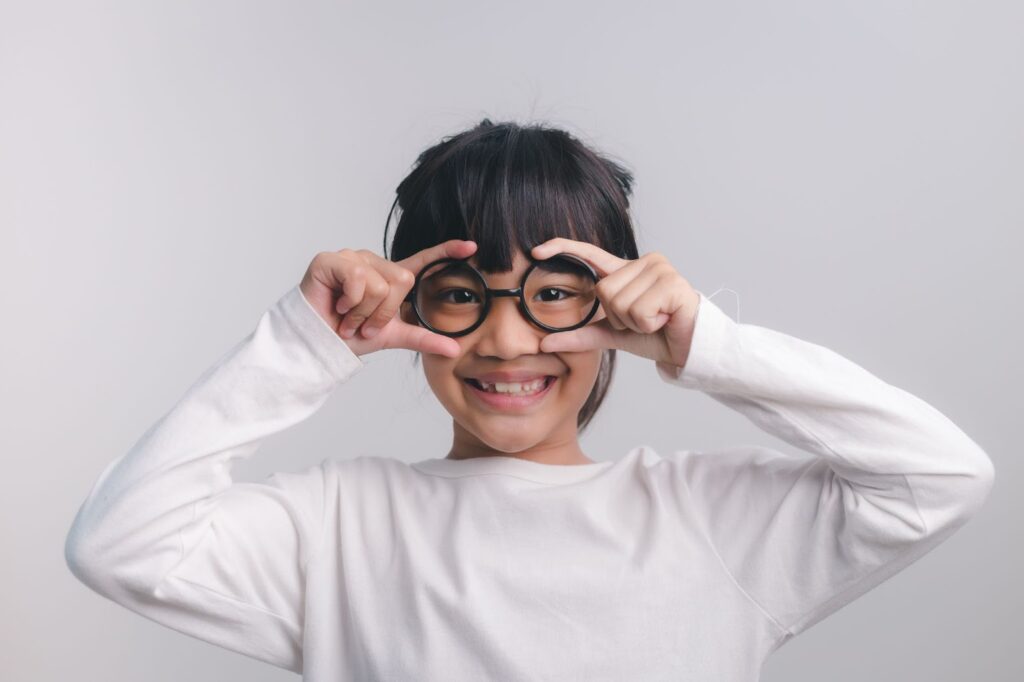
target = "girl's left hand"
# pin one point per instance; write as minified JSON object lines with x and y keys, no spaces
{"x":650,"y":309}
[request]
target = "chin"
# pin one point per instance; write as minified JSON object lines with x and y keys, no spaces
{"x":508,"y":439}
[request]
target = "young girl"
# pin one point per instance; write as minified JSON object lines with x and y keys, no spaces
{"x":515,"y":556}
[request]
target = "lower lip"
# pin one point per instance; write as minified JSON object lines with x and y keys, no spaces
{"x":505,"y":401}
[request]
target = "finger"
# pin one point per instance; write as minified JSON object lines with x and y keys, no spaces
{"x":351,"y":279}
{"x":610,"y":284}
{"x":453,"y":248}
{"x":402,"y":277}
{"x":613,"y":320}
{"x":604,"y":263}
{"x":376,"y":288}
{"x":608,"y":288}
{"x":422,"y":339}
{"x":334,"y":271}
{"x":624,"y":301}
{"x":648,"y":311}
{"x":600,"y":334}
{"x":400,"y":281}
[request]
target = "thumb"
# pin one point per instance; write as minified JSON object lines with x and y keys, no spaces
{"x":599,"y":334}
{"x":414,"y":337}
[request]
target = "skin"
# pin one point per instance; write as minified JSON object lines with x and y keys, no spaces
{"x":647,"y":308}
{"x":546,"y":432}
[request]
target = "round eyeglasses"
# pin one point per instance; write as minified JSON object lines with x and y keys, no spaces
{"x":451,"y":297}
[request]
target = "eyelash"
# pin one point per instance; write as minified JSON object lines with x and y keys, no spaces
{"x":444,"y":293}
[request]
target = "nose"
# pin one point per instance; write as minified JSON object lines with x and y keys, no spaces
{"x":505,"y":333}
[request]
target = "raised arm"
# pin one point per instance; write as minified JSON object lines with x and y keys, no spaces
{"x":167,"y":533}
{"x":886,"y":477}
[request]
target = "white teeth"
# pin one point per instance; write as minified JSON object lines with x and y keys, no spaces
{"x":515,"y":388}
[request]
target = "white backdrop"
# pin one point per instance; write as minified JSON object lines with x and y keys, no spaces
{"x":853,"y":170}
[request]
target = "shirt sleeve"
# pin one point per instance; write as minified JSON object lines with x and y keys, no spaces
{"x":167,"y":533}
{"x":883,"y":477}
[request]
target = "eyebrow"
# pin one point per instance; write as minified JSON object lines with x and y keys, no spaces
{"x":446,"y":267}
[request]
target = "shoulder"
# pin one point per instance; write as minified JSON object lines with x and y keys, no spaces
{"x":366,"y":470}
{"x":331,"y":473}
{"x":733,"y":466}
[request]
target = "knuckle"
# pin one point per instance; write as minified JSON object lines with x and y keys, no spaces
{"x":405,"y":277}
{"x":648,"y":323}
{"x":665,"y":267}
{"x":353,"y":301}
{"x":377,"y":288}
{"x":382,"y":316}
{"x":358,"y":313}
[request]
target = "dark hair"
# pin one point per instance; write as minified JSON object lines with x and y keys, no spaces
{"x":508,"y":186}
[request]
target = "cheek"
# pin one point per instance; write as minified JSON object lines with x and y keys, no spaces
{"x":583,"y":371}
{"x":440,"y":375}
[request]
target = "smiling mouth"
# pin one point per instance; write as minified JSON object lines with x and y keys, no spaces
{"x":527,"y":388}
{"x":507,"y":401}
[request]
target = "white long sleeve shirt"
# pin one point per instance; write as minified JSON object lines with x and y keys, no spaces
{"x":695,"y":565}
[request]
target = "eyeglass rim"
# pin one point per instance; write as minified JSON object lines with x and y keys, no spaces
{"x":489,"y":296}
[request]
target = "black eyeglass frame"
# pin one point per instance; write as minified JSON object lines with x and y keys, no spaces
{"x":490,"y":294}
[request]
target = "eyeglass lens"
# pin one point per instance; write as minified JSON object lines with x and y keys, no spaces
{"x":558,"y":292}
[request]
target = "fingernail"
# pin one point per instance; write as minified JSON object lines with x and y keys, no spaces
{"x":368,"y":332}
{"x":347,"y":333}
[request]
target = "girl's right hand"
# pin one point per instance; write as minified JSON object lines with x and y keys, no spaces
{"x":356,"y":292}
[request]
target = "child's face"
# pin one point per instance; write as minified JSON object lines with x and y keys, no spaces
{"x":507,"y":341}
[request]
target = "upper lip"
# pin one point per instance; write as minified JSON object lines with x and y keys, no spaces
{"x":509,"y":377}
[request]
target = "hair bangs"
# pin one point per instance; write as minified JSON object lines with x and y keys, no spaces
{"x":510,"y":188}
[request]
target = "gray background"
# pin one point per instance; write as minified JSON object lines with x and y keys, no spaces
{"x":853,"y":170}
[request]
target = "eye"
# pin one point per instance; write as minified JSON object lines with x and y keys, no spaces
{"x":459,"y":294}
{"x":551,"y":292}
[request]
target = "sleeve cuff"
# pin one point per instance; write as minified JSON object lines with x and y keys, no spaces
{"x":330,"y":349}
{"x":712,"y":329}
